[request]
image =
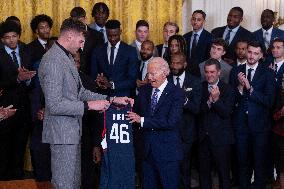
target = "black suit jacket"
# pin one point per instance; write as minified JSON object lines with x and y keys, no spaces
{"x":192,"y":89}
{"x":93,"y":40}
{"x":202,"y":54}
{"x":242,"y":34}
{"x":35,"y":50}
{"x":216,"y":121}
{"x":14,"y":92}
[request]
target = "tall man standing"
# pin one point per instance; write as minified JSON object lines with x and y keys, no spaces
{"x":159,"y":106}
{"x":254,"y":86}
{"x":198,"y":38}
{"x":65,"y":102}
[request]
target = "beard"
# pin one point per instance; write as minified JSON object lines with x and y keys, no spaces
{"x":145,"y":58}
{"x":177,"y":72}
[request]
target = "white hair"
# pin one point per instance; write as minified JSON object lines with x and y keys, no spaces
{"x":162,"y":64}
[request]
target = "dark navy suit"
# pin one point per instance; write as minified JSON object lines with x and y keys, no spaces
{"x":202,"y":54}
{"x":215,"y":135}
{"x":124,"y":72}
{"x":276,"y":33}
{"x":242,"y":34}
{"x":252,"y":123}
{"x":162,"y":147}
{"x":192,"y":89}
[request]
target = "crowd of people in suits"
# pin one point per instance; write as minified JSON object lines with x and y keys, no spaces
{"x":213,"y":99}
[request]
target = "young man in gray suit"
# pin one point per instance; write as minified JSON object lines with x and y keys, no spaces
{"x":66,"y":100}
{"x":218,"y":49}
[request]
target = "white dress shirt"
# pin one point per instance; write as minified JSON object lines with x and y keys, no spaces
{"x":138,"y":44}
{"x":241,"y":63}
{"x":115,"y":51}
{"x":279,"y":64}
{"x":144,"y":71}
{"x":232,"y":34}
{"x":267,"y":36}
{"x":42,"y":42}
{"x":161,"y":89}
{"x":254,"y":67}
{"x":9,"y":51}
{"x":181,"y":79}
{"x":164,"y":49}
{"x":197,"y":37}
{"x":99,"y":29}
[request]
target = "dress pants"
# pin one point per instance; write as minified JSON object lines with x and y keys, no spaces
{"x":252,"y":145}
{"x":186,"y":166}
{"x":66,"y":166}
{"x":160,"y":174}
{"x":221,"y":156}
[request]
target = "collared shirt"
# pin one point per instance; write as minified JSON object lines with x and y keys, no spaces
{"x":115,"y":51}
{"x":232,"y":34}
{"x":99,"y":29}
{"x":241,"y":63}
{"x":181,"y":79}
{"x":138,"y":44}
{"x":267,"y":33}
{"x":279,"y":64}
{"x":62,"y":48}
{"x":210,"y":86}
{"x":42,"y":42}
{"x":197,"y":37}
{"x":144,"y":71}
{"x":164,"y":49}
{"x":161,"y":89}
{"x":254,"y":67}
{"x":9,"y":51}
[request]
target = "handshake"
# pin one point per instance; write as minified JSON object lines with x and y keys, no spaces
{"x":103,"y":105}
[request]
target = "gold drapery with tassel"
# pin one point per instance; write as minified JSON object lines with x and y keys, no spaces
{"x":128,"y":12}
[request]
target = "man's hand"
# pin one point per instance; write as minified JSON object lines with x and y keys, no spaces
{"x":25,"y":74}
{"x":215,"y":93}
{"x":1,"y":92}
{"x":97,"y":155}
{"x":133,"y":117}
{"x":40,"y":114}
{"x":140,"y":83}
{"x":99,"y":105}
{"x":103,"y":82}
{"x":122,"y":100}
{"x":7,"y":112}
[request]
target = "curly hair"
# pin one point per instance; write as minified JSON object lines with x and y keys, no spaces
{"x":38,"y":19}
{"x":9,"y":26}
{"x":181,"y":41}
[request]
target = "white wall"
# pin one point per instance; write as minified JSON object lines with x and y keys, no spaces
{"x":217,"y":11}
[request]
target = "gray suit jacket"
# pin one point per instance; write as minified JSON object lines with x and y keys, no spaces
{"x":64,"y":96}
{"x":225,"y":71}
{"x":155,"y":53}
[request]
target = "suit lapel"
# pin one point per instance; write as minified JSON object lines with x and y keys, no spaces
{"x":237,"y":36}
{"x":148,"y":99}
{"x":163,"y":97}
{"x":257,"y":74}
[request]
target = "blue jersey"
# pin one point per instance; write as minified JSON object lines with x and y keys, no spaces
{"x":118,"y":163}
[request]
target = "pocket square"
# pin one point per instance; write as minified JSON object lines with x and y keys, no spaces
{"x":188,"y":89}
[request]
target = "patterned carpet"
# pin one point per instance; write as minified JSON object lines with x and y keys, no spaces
{"x":24,"y":184}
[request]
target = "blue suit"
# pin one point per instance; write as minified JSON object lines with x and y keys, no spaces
{"x":251,"y":121}
{"x":124,"y":72}
{"x":192,"y":89}
{"x":202,"y":54}
{"x":162,"y":147}
{"x":276,"y":33}
{"x":242,"y":34}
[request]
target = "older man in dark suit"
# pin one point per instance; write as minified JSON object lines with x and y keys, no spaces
{"x":215,"y":128}
{"x":232,"y":33}
{"x":192,"y":88}
{"x":159,"y":111}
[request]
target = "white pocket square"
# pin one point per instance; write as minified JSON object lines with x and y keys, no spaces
{"x":188,"y":89}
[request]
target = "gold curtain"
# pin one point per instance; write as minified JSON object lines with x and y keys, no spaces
{"x":128,"y":12}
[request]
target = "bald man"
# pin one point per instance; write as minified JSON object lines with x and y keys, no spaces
{"x":158,"y":111}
